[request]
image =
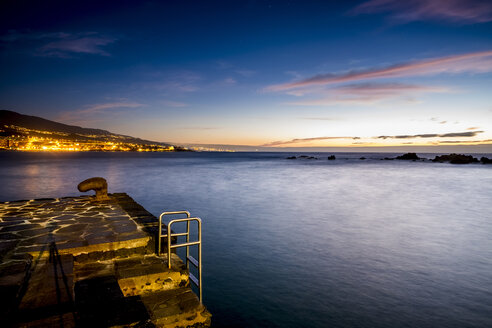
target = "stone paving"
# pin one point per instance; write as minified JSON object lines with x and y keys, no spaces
{"x":76,"y":262}
{"x":75,"y":224}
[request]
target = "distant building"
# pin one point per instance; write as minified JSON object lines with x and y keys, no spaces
{"x":4,"y":143}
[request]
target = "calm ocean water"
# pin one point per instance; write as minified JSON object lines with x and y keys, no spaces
{"x":305,"y":243}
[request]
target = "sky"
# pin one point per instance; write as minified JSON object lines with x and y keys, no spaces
{"x":266,"y":74}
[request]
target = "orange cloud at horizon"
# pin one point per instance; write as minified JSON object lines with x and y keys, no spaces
{"x":379,"y":141}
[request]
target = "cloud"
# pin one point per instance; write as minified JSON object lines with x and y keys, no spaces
{"x":460,"y":134}
{"x":382,"y":88}
{"x":293,"y":141}
{"x":368,"y":93}
{"x":480,"y":62}
{"x":104,"y":106}
{"x":466,"y":141}
{"x":473,"y":128}
{"x":427,"y":135}
{"x":15,"y":36}
{"x":96,"y":109}
{"x":362,"y":143}
{"x":329,"y":101}
{"x":61,"y":44}
{"x":78,"y":45}
{"x":436,"y":119}
{"x":459,"y":11}
{"x":433,"y":135}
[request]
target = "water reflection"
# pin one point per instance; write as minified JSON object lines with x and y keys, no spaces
{"x":310,"y":244}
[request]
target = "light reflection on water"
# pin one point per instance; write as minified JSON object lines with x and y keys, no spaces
{"x":342,"y":243}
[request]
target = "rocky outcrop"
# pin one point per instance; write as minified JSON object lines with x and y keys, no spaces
{"x":486,"y":160}
{"x":332,"y":158}
{"x":456,"y":159}
{"x":408,"y":157}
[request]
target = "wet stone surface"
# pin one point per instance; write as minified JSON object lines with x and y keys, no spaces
{"x":73,"y":262}
{"x":75,"y":222}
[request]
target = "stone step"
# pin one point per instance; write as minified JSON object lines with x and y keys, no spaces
{"x":149,"y":293}
{"x":111,"y":254}
{"x":149,"y":274}
{"x":176,"y":308}
{"x":100,"y":303}
{"x":73,"y":262}
{"x":137,"y":275}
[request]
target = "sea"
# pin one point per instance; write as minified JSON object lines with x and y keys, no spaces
{"x":308,"y":242}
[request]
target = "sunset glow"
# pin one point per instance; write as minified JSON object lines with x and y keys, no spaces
{"x":271,"y":74}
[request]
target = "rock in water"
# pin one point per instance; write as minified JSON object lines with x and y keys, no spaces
{"x":331,"y":158}
{"x":456,"y":159}
{"x":486,"y":160}
{"x":408,"y":157}
{"x":98,"y":184}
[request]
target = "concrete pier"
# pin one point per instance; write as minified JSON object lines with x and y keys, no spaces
{"x":74,"y":262}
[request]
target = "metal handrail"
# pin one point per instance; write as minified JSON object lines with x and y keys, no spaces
{"x":160,"y":226}
{"x":189,"y":258}
{"x":187,"y":244}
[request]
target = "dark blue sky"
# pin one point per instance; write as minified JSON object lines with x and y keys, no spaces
{"x":293,"y":73}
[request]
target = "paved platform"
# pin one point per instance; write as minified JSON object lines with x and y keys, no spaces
{"x":76,"y":262}
{"x":74,"y":225}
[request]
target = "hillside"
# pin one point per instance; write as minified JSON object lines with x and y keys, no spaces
{"x":25,"y":132}
{"x":16,"y":123}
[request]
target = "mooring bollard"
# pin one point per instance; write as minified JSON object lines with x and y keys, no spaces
{"x":98,"y":184}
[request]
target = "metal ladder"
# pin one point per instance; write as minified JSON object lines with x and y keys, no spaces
{"x":187,"y":244}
